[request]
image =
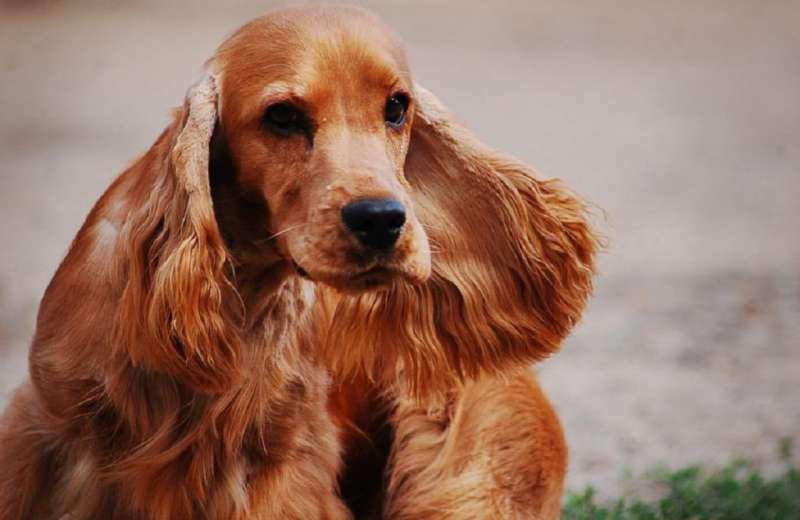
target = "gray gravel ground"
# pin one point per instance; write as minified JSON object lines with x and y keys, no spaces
{"x":680,"y":119}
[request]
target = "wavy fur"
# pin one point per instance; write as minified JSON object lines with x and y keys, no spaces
{"x":150,"y":398}
{"x":172,"y":314}
{"x":217,"y":344}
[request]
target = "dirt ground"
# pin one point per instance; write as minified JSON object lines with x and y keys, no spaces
{"x":680,"y":119}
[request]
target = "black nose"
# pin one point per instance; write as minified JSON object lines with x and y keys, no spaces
{"x":375,"y":222}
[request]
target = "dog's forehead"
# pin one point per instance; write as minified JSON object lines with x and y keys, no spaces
{"x":319,"y":39}
{"x":312,"y":52}
{"x":349,"y":66}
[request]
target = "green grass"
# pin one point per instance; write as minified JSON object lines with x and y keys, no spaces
{"x":735,"y":492}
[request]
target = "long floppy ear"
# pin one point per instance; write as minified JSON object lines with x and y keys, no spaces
{"x":512,"y":258}
{"x":174,"y":313}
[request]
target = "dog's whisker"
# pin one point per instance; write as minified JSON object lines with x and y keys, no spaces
{"x":281,"y":232}
{"x":431,"y":227}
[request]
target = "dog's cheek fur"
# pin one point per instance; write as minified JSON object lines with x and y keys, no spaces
{"x":513,"y":261}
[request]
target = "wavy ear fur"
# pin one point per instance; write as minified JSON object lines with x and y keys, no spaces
{"x":513,"y":261}
{"x":173,"y":315}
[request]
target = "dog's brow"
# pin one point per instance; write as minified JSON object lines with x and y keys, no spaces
{"x":281,"y":90}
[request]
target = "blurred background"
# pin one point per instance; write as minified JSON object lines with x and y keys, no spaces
{"x":681,"y":120}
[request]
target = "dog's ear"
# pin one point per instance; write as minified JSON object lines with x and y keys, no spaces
{"x":512,"y":258}
{"x":174,"y":314}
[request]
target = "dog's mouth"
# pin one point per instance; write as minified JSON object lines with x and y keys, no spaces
{"x":373,"y":277}
{"x":376,"y":276}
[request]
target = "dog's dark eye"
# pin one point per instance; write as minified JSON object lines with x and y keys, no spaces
{"x":395,"y":111}
{"x":285,"y":119}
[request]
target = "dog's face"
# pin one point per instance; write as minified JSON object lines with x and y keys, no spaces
{"x":317,"y":111}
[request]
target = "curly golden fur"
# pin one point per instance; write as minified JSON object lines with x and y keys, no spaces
{"x":217,"y":344}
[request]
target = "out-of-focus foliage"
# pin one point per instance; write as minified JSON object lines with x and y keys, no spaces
{"x":735,"y":492}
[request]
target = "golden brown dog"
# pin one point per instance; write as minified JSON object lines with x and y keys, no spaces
{"x":313,"y":297}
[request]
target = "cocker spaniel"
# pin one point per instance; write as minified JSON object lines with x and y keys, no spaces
{"x":313,"y":297}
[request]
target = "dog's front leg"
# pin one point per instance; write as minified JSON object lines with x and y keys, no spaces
{"x":494,"y":450}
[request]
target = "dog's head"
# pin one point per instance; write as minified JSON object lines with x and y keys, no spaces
{"x":309,"y":147}
{"x":316,"y":109}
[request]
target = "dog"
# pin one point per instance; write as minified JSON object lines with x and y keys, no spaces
{"x":314,"y":296}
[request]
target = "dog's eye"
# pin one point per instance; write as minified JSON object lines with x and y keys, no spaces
{"x":284,"y":119}
{"x":395,"y":111}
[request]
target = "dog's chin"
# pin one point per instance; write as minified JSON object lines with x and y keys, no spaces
{"x":377,"y":278}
